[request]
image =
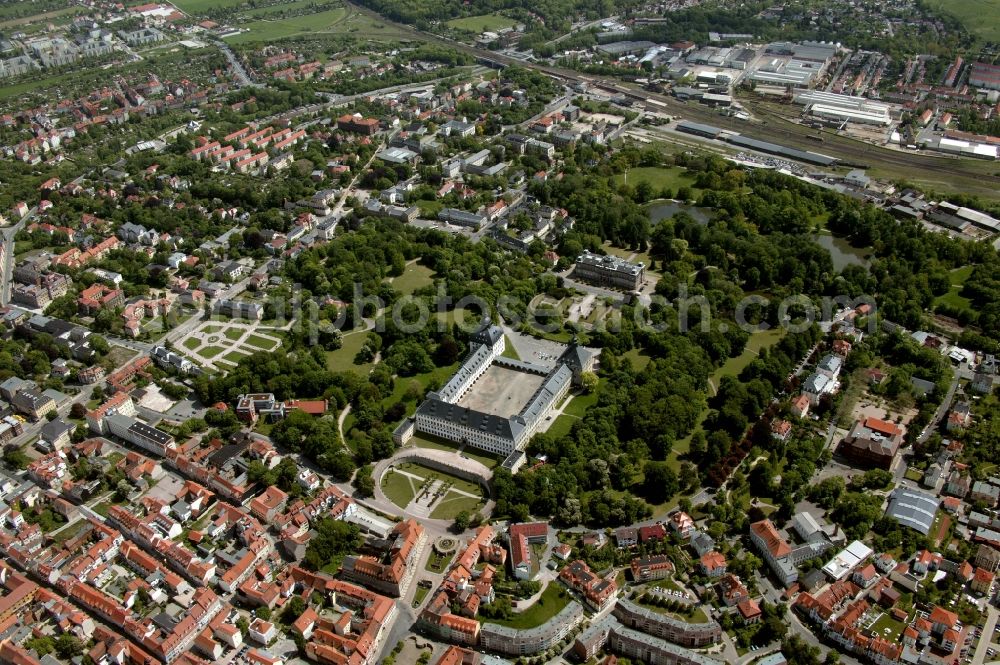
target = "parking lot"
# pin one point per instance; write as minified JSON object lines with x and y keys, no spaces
{"x":535,"y":351}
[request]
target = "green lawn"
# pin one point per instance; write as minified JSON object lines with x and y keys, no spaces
{"x":191,"y":343}
{"x":39,"y":80}
{"x":481,"y":456}
{"x":483,"y":23}
{"x":234,"y":334}
{"x":398,"y":488}
{"x":210,"y":351}
{"x":419,"y":595}
{"x":272,"y":10}
{"x":659,"y":177}
{"x":36,"y":22}
{"x":343,"y":358}
{"x":270,"y":30}
{"x":401,"y":489}
{"x":757,"y":341}
{"x":698,"y":616}
{"x":579,"y":405}
{"x":959,"y":276}
{"x":425,"y":441}
{"x":639,"y":358}
{"x":451,"y":504}
{"x":436,"y":563}
{"x":429,"y":209}
{"x":199,"y":6}
{"x":508,"y":349}
{"x":428,"y":474}
{"x":259,"y":342}
{"x":211,"y":329}
{"x":561,"y":426}
{"x":45,"y":10}
{"x":980,"y":17}
{"x":70,"y":531}
{"x":665,"y":583}
{"x":552,"y":600}
{"x":886,"y":622}
{"x":414,"y":277}
{"x":954,"y":299}
{"x":234,"y":357}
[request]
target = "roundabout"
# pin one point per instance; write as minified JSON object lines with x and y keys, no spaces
{"x":446,"y":545}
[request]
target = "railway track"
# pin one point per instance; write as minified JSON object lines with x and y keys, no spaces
{"x":963,"y":175}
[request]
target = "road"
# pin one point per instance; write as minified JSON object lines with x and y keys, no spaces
{"x":178,"y":332}
{"x":8,"y":254}
{"x":987,"y":636}
{"x":239,"y":73}
{"x":941,"y":410}
{"x":32,"y":430}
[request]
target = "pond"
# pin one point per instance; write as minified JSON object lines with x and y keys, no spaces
{"x":842,"y":253}
{"x":665,"y":209}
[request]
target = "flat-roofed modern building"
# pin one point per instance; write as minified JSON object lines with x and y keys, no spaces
{"x":461,"y":218}
{"x":139,"y":434}
{"x":609,"y":271}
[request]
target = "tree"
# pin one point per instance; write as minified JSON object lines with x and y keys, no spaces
{"x":333,"y":538}
{"x":78,"y":410}
{"x":827,"y":492}
{"x":588,"y":382}
{"x":659,"y":482}
{"x":798,"y":652}
{"x":99,"y":345}
{"x":68,"y":646}
{"x":364,"y":483}
{"x":41,"y":645}
{"x":461,"y":521}
{"x":293,"y":609}
{"x":16,"y":458}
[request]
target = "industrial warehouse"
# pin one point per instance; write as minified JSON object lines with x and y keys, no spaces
{"x":717,"y":133}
